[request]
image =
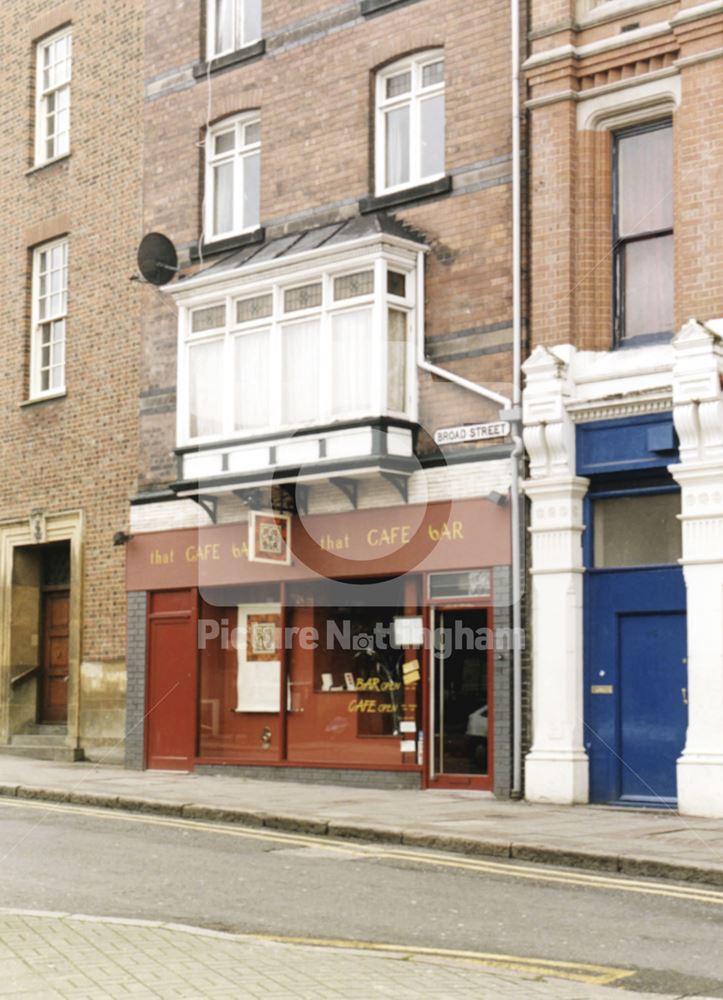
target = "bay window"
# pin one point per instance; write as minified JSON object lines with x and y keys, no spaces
{"x":410,"y":122}
{"x":290,"y":353}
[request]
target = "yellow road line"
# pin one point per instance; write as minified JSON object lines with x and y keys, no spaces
{"x":580,"y":972}
{"x":480,"y":866}
{"x":620,"y":882}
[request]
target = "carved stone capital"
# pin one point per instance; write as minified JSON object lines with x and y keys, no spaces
{"x":548,"y":431}
{"x":697,"y":393}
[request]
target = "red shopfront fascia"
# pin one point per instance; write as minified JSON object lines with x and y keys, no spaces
{"x":180,"y":568}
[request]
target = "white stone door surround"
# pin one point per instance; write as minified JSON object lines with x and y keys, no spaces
{"x":564,"y":386}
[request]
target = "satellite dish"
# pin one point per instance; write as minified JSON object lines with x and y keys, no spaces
{"x":157,"y":258}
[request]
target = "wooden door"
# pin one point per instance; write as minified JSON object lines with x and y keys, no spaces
{"x":171,"y":694}
{"x":54,"y":693}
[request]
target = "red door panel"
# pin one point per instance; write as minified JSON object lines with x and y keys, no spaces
{"x":172,"y":681}
{"x":54,"y":699}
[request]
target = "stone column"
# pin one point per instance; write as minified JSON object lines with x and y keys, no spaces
{"x":556,"y":769}
{"x":698,"y":415}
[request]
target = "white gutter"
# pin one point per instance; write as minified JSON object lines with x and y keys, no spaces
{"x":517,"y":555}
{"x":427,"y":366}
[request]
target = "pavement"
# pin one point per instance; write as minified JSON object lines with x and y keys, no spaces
{"x":640,"y":842}
{"x":60,"y":956}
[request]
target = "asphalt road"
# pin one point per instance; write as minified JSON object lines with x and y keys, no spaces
{"x":232,"y":878}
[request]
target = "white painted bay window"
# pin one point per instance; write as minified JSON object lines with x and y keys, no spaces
{"x":309,"y":350}
{"x":52,"y":97}
{"x":233,"y":177}
{"x":410,"y":122}
{"x":232,"y":24}
{"x":49,"y":314}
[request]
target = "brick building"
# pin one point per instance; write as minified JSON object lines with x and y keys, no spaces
{"x":623,"y":408}
{"x":337,"y":181}
{"x":70,"y":203}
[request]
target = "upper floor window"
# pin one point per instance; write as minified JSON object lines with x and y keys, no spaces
{"x":308,"y":350}
{"x":52,"y":118}
{"x":410,"y":122}
{"x":643,"y":231}
{"x":50,"y":308}
{"x":233,"y":177}
{"x":232,"y":24}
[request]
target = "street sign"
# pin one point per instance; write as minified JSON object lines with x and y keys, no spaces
{"x":467,"y":433}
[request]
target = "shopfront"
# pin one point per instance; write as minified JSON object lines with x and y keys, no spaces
{"x":372,"y":648}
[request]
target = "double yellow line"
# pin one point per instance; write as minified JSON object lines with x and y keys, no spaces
{"x":575,"y":971}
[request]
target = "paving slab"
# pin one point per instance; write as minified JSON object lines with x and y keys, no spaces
{"x":660,"y":843}
{"x":76,"y":957}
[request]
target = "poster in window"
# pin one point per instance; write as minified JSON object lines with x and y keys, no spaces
{"x":258,"y":659}
{"x":269,"y":538}
{"x":261,"y":636}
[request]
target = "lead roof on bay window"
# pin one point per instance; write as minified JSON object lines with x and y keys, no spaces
{"x":312,"y":239}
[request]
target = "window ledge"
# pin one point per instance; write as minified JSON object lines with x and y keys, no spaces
{"x":45,"y":398}
{"x":246,"y":54}
{"x":368,"y":8}
{"x":643,"y":340}
{"x":213,"y":247}
{"x":375,"y":203}
{"x":47,"y":163}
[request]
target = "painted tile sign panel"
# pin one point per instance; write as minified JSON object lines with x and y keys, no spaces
{"x":455,"y":534}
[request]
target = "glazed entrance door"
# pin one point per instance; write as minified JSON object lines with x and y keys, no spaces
{"x":54,"y":695}
{"x":636,"y":683}
{"x":460,"y":705}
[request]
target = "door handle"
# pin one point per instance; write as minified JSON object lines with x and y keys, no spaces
{"x":684,"y":692}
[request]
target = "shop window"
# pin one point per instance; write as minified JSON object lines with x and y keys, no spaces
{"x":285,"y":355}
{"x":410,"y":122}
{"x":643,"y":231}
{"x":347,"y":689}
{"x":636,"y":530}
{"x":233,"y":177}
{"x":231,"y":25}
{"x":474,"y":583}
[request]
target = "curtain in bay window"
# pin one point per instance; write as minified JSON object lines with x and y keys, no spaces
{"x":251,"y":380}
{"x":301,"y":358}
{"x":397,"y":361}
{"x":205,"y":375}
{"x":351,"y":355}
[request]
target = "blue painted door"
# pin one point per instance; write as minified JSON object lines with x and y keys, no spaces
{"x":636,"y":683}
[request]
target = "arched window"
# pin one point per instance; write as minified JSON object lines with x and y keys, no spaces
{"x":410,"y":122}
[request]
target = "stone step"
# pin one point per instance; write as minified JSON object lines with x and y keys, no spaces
{"x":47,"y":729}
{"x":38,"y":740}
{"x":61,"y":754}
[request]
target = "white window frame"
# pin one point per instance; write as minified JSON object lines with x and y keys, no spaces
{"x":240,"y":152}
{"x":239,"y":32}
{"x":40,"y":322}
{"x":414,"y":98}
{"x":44,"y":94}
{"x":380,"y":302}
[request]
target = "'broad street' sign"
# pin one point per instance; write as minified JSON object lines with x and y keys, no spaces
{"x":467,"y":433}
